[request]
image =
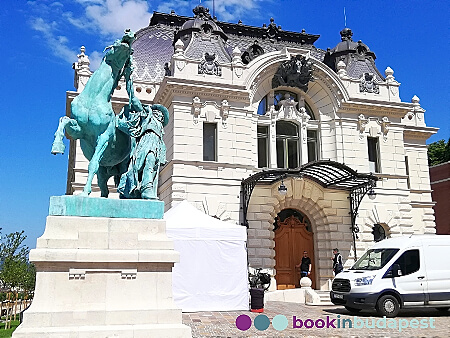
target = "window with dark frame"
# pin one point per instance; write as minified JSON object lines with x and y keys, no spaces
{"x":313,"y":151}
{"x":209,"y":141}
{"x":287,"y":143}
{"x":409,"y":262}
{"x":263,"y":146}
{"x":407,"y":172}
{"x":373,"y":152}
{"x":262,"y":108}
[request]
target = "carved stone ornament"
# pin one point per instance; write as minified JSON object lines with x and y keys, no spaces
{"x":82,"y":71}
{"x":362,"y":123}
{"x":368,"y":84}
{"x":197,"y":104}
{"x":209,"y":66}
{"x":288,"y":110}
{"x":384,"y":123}
{"x":224,"y":109}
{"x":296,"y":72}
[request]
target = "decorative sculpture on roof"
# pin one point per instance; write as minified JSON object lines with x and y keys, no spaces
{"x":202,"y":12}
{"x":209,"y":65}
{"x":273,"y":30}
{"x":107,"y":140}
{"x":252,"y":52}
{"x":296,"y":72}
{"x":368,"y":84}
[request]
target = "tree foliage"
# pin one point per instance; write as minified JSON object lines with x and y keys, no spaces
{"x":438,"y":152}
{"x":16,"y":272}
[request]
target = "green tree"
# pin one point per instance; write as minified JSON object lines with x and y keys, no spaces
{"x":16,"y":272}
{"x":438,"y":152}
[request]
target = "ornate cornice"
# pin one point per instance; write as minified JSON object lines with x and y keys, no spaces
{"x":422,"y":133}
{"x":190,"y":88}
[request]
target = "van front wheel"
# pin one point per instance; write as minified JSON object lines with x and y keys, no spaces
{"x":388,"y":306}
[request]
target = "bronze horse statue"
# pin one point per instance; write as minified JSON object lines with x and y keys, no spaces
{"x":93,"y":121}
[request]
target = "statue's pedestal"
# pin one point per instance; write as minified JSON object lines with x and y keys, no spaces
{"x":103,"y":277}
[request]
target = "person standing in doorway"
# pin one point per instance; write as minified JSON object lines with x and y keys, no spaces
{"x":305,"y":265}
{"x":337,"y":261}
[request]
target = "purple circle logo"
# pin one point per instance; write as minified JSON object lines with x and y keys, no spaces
{"x":243,"y":322}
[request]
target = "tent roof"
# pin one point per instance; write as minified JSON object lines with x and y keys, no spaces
{"x":186,"y":222}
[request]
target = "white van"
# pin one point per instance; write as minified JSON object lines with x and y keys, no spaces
{"x":399,"y":272}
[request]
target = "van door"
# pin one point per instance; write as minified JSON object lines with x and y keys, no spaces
{"x":412,"y":283}
{"x":437,"y":264}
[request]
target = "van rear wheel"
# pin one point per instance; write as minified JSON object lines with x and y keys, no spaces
{"x":352,"y":309}
{"x":388,"y":306}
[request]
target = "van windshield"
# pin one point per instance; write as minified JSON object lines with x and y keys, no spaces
{"x":374,"y":259}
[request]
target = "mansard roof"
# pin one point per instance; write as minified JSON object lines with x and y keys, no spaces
{"x":154,"y":44}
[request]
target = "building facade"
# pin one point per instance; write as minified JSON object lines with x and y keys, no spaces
{"x":440,"y":185}
{"x":326,"y":125}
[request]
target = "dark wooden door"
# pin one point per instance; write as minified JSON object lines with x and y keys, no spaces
{"x":291,"y":239}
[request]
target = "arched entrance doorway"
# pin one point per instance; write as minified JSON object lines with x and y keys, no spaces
{"x":293,"y":235}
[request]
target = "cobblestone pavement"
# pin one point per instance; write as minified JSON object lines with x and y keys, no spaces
{"x":222,"y":324}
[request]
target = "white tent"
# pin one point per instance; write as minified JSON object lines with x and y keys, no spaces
{"x":212,"y":272}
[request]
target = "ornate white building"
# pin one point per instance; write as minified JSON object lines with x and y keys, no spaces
{"x":254,"y":109}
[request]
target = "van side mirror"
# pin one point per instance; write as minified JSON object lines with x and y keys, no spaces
{"x":396,"y":271}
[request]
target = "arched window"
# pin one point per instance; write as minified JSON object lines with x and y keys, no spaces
{"x":287,"y":144}
{"x":285,"y":213}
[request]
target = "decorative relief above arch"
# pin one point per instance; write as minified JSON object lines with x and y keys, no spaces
{"x":296,"y":72}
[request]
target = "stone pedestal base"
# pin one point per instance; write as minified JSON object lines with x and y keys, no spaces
{"x":103,"y":277}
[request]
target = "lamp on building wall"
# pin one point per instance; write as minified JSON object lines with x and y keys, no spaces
{"x":282,"y":188}
{"x":372,"y":194}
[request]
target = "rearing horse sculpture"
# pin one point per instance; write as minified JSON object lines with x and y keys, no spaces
{"x":93,"y":120}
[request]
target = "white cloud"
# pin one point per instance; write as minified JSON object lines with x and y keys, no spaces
{"x":112,"y":17}
{"x":179,"y":6}
{"x":233,"y":10}
{"x":95,"y":58}
{"x":107,"y":19}
{"x":225,"y":10}
{"x":57,"y":43}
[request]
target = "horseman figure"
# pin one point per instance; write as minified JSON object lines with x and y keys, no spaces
{"x":93,"y":121}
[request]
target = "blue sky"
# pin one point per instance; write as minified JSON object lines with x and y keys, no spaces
{"x":42,"y":39}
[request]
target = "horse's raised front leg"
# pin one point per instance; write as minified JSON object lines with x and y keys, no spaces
{"x":73,"y":130}
{"x":102,"y":143}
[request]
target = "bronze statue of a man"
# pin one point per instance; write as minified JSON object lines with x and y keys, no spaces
{"x":146,"y":127}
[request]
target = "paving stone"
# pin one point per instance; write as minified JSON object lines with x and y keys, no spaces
{"x":222,"y":324}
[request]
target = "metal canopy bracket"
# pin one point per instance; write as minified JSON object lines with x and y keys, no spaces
{"x":328,"y":174}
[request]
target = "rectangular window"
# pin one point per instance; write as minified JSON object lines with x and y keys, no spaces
{"x":280,"y":153}
{"x":374,"y":154}
{"x":312,"y":146}
{"x":263,"y":146}
{"x":292,"y":153}
{"x":407,"y":172}
{"x":209,"y":141}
